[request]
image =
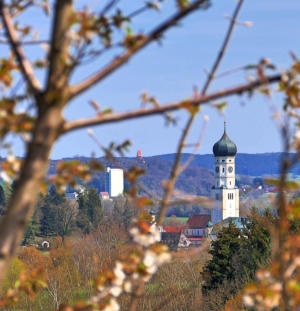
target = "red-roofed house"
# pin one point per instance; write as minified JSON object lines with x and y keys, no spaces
{"x":104,"y":195}
{"x":177,"y":229}
{"x":195,"y":228}
{"x":174,"y":237}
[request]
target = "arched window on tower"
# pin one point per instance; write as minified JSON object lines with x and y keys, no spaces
{"x":230,"y":196}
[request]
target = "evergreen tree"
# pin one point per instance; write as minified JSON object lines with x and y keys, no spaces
{"x":32,"y":230}
{"x":220,"y":267}
{"x":236,"y":255}
{"x":90,"y":210}
{"x":30,"y":233}
{"x":2,"y":200}
{"x":95,"y":207}
{"x":255,"y":249}
{"x":48,"y":220}
{"x":5,"y":194}
{"x":2,"y":196}
{"x":82,"y":219}
{"x":54,"y":197}
{"x":49,"y":223}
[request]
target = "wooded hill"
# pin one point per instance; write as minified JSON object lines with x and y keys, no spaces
{"x":198,"y":178}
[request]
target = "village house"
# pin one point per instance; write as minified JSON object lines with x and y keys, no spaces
{"x":104,"y":195}
{"x":174,"y":237}
{"x":195,"y":229}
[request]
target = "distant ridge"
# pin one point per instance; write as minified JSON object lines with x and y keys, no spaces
{"x":198,"y":178}
{"x":258,"y":164}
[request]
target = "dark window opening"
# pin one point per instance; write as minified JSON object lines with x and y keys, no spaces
{"x":230,"y":196}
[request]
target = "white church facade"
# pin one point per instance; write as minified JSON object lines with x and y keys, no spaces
{"x":225,"y":192}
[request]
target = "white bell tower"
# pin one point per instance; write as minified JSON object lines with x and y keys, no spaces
{"x":225,"y":193}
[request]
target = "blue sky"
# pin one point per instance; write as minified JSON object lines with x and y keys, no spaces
{"x":170,"y":71}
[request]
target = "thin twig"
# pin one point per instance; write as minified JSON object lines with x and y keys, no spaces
{"x":93,"y":55}
{"x":28,"y":42}
{"x":196,"y":148}
{"x":211,"y":75}
{"x":176,"y":166}
{"x":223,"y":47}
{"x":174,"y":172}
{"x":283,"y":224}
{"x":144,"y":41}
{"x":229,"y":72}
{"x":108,"y":7}
{"x":138,"y":11}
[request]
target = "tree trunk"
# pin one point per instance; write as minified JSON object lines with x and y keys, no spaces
{"x":23,"y":200}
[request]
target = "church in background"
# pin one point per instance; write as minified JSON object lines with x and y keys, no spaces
{"x":225,"y":192}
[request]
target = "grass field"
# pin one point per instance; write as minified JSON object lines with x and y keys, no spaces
{"x":183,"y":219}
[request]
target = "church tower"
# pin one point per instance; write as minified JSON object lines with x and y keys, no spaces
{"x":225,"y":193}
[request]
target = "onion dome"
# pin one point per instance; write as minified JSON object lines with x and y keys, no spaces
{"x":224,"y":147}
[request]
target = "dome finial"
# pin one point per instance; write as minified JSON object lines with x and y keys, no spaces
{"x":225,"y":126}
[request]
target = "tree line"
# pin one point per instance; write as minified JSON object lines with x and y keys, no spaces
{"x":55,"y":215}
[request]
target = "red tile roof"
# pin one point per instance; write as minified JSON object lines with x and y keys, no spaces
{"x":173,"y":228}
{"x":198,"y":221}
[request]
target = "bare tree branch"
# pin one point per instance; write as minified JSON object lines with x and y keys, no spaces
{"x":214,"y":69}
{"x":174,"y":172}
{"x":23,"y":62}
{"x":200,"y":100}
{"x":223,"y":47}
{"x":136,"y":295}
{"x":176,"y":166}
{"x":144,"y":41}
{"x":59,"y":69}
{"x":196,"y":148}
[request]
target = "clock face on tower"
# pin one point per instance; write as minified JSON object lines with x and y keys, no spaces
{"x":217,"y":169}
{"x":230,"y":169}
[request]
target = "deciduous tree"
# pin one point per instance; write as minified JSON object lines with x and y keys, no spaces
{"x":73,"y":41}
